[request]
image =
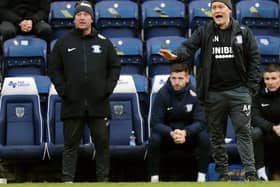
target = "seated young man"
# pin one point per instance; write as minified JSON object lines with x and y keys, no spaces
{"x":266,"y":121}
{"x":177,"y":122}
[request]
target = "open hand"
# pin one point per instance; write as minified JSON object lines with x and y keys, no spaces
{"x":167,"y":54}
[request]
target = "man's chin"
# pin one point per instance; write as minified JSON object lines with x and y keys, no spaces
{"x":218,"y":23}
{"x":272,"y":89}
{"x":81,"y":28}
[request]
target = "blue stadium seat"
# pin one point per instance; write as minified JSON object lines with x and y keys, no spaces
{"x":156,"y":63}
{"x":55,"y":139}
{"x":157,"y":82}
{"x":24,"y":56}
{"x":61,"y":17}
{"x":21,"y":124}
{"x":43,"y":83}
{"x":199,"y":13}
{"x":141,"y":83}
{"x":269,"y":48}
{"x":117,"y":18}
{"x":126,"y":117}
{"x":130,"y":52}
{"x":163,"y":18}
{"x":53,"y":43}
{"x":261,"y":16}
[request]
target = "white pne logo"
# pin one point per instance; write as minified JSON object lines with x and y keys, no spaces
{"x":96,"y":48}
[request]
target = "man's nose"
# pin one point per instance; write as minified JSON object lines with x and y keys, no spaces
{"x":269,"y":81}
{"x":177,"y":81}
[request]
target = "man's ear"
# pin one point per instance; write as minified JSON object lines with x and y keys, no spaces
{"x":188,"y":77}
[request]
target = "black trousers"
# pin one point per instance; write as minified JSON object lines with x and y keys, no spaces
{"x":266,"y":149}
{"x":73,"y":130}
{"x":235,"y":103}
{"x":158,"y":145}
{"x":258,"y":143}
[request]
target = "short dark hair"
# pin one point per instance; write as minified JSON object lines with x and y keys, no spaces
{"x":179,"y":67}
{"x":272,"y":68}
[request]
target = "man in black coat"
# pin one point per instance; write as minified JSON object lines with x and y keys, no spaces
{"x":84,"y":68}
{"x":177,"y":122}
{"x":266,"y":121}
{"x":25,"y":17}
{"x":227,"y":75}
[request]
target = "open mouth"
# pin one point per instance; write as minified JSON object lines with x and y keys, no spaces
{"x":218,"y":16}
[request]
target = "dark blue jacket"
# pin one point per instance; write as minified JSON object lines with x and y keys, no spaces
{"x":176,"y":110}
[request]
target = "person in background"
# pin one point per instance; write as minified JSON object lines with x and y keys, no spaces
{"x":266,"y":122}
{"x":84,"y":69}
{"x":177,"y":122}
{"x":25,"y":17}
{"x":227,"y":76}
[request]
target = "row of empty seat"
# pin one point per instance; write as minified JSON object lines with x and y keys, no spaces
{"x":118,"y":18}
{"x":27,"y":55}
{"x":31,"y":128}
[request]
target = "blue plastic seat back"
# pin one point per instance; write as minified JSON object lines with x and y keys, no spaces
{"x":21,"y":121}
{"x":61,"y":14}
{"x":24,"y":55}
{"x":269,"y":48}
{"x":130,"y":53}
{"x":261,"y":16}
{"x":126,"y":114}
{"x":117,"y":18}
{"x":53,"y":43}
{"x":141,"y":83}
{"x":157,"y":83}
{"x":199,"y":13}
{"x":163,"y":18}
{"x":61,"y":17}
{"x":156,"y":63}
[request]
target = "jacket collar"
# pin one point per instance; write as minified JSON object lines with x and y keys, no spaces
{"x":92,"y":34}
{"x":265,"y":92}
{"x":236,"y":27}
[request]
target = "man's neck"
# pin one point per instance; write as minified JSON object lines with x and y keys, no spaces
{"x":225,"y":26}
{"x":86,"y":32}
